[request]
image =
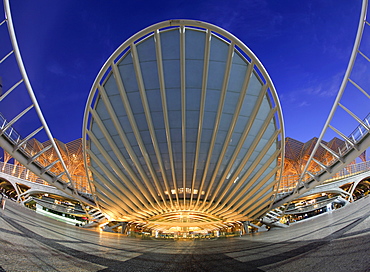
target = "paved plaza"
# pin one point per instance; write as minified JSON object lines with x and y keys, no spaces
{"x":336,"y":241}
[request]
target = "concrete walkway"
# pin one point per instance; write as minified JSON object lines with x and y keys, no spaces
{"x":337,"y":241}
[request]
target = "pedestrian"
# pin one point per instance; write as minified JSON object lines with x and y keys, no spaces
{"x":2,"y":202}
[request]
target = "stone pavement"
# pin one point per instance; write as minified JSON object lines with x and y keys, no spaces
{"x":336,"y":241}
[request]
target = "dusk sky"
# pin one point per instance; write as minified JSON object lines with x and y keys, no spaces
{"x":304,"y":45}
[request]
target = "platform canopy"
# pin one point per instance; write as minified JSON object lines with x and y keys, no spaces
{"x":183,"y":128}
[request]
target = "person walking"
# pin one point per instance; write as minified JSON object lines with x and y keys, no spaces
{"x":2,"y":202}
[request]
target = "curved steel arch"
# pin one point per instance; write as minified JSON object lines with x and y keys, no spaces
{"x":16,"y":145}
{"x":356,"y":143}
{"x":137,"y":181}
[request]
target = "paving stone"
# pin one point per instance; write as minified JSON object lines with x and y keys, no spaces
{"x":336,"y":241}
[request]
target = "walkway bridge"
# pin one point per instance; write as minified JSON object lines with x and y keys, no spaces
{"x":17,"y":147}
{"x":334,"y":187}
{"x":356,"y":144}
{"x":29,"y":187}
{"x":354,"y":173}
{"x":20,"y":178}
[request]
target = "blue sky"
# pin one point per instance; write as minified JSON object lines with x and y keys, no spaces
{"x":304,"y":45}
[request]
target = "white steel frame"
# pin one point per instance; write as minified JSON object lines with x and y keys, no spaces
{"x":150,"y":198}
{"x":355,"y":147}
{"x":13,"y":149}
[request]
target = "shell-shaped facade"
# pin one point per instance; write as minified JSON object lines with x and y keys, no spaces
{"x":183,"y":127}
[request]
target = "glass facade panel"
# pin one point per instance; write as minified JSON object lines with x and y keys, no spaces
{"x":154,"y":100}
{"x":102,"y":112}
{"x":111,"y":86}
{"x":128,"y":76}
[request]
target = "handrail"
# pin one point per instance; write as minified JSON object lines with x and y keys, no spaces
{"x":289,"y":182}
{"x":23,"y":173}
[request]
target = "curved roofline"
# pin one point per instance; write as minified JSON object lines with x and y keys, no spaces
{"x":220,"y":33}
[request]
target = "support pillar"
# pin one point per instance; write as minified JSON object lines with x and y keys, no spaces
{"x":245,"y":226}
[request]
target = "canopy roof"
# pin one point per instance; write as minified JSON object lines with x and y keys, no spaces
{"x":183,"y":119}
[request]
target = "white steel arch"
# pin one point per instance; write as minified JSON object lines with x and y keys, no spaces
{"x":355,"y":143}
{"x":16,"y":145}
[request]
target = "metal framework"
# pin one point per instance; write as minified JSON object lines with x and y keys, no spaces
{"x":356,"y":143}
{"x":18,"y":147}
{"x":183,"y":127}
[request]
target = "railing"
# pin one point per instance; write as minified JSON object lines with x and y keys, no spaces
{"x":350,"y":170}
{"x":22,"y":172}
{"x":356,"y":136}
{"x":79,"y":182}
{"x":360,"y":131}
{"x":288,"y":183}
{"x":11,"y":133}
{"x":13,"y":136}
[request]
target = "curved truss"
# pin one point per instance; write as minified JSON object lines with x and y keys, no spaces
{"x":357,"y":142}
{"x":53,"y":172}
{"x":148,"y":114}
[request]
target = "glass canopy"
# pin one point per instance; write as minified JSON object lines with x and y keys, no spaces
{"x":183,"y":119}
